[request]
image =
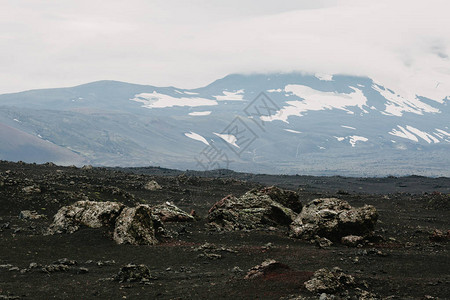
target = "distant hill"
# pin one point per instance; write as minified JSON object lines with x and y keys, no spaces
{"x":271,"y":123}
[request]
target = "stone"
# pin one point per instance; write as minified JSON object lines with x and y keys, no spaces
{"x":266,"y":267}
{"x":152,"y":185}
{"x":329,"y":281}
{"x":254,"y":209}
{"x":137,"y":226}
{"x":92,"y":214}
{"x":30,"y":215}
{"x":333,"y":219}
{"x":31,"y":189}
{"x":352,"y":240}
{"x":168,"y":212}
{"x":133,"y":273}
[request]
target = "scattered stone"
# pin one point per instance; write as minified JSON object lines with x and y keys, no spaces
{"x":352,"y":240}
{"x":267,"y":267}
{"x":6,"y":266}
{"x":83,"y":270}
{"x":133,"y":273}
{"x":65,"y":261}
{"x":322,"y":242}
{"x":33,"y":265}
{"x":137,"y":226}
{"x":329,"y":281}
{"x":210,"y":255}
{"x":30,"y":215}
{"x":5,"y":226}
{"x":333,"y":219}
{"x":31,"y":189}
{"x":255,"y":209}
{"x":14,"y":269}
{"x":92,"y":214}
{"x":87,"y":167}
{"x":55,"y":268}
{"x":152,"y":185}
{"x":439,"y":236}
{"x":168,"y":212}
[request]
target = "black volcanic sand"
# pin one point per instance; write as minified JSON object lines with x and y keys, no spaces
{"x":407,"y":264}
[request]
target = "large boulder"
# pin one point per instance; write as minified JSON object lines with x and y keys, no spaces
{"x":288,"y":198}
{"x":255,"y":209}
{"x":85,"y":213}
{"x":137,"y":226}
{"x":168,"y":212}
{"x":333,"y":219}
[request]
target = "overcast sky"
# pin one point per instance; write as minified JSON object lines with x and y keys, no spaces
{"x":404,"y":45}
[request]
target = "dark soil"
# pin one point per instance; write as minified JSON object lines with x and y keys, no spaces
{"x":405,"y":264}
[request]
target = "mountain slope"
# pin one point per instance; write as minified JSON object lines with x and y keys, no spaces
{"x":17,"y":145}
{"x":276,"y":123}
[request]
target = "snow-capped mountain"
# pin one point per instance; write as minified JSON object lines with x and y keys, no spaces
{"x":276,"y":123}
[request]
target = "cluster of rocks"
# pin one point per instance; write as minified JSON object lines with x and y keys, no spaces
{"x":139,"y":225}
{"x":335,"y":220}
{"x":323,"y":220}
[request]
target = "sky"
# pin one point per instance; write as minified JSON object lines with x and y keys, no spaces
{"x":404,"y":45}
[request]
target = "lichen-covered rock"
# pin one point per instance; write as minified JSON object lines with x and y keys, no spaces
{"x":329,"y":281}
{"x":255,"y":209}
{"x":267,"y":266}
{"x":30,"y":215}
{"x":290,"y":199}
{"x":168,"y":212}
{"x":85,"y":213}
{"x":137,"y":226}
{"x":152,"y":185}
{"x":133,"y":273}
{"x":333,"y":218}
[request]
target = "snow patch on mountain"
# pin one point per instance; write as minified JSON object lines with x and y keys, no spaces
{"x":233,"y":96}
{"x":229,"y":138}
{"x":314,"y":100}
{"x":349,"y":127}
{"x":324,"y":77}
{"x":403,"y":133}
{"x":158,"y":100}
{"x":396,"y":105}
{"x":200,"y":113}
{"x":356,"y":138}
{"x":425,"y":136}
{"x":197,"y":137}
{"x":293,"y":131}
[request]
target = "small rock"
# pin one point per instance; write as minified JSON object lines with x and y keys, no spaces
{"x":83,"y":270}
{"x":322,"y":242}
{"x":133,"y":273}
{"x":268,"y":266}
{"x":30,"y":215}
{"x":329,"y":281}
{"x":352,"y":240}
{"x":439,"y":236}
{"x":152,"y":185}
{"x":31,"y":189}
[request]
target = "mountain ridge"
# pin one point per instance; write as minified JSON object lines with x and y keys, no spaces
{"x":317,"y":125}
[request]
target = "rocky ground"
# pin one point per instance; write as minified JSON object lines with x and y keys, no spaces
{"x":177,"y":235}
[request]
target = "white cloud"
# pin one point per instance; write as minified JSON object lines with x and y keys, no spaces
{"x":404,"y":45}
